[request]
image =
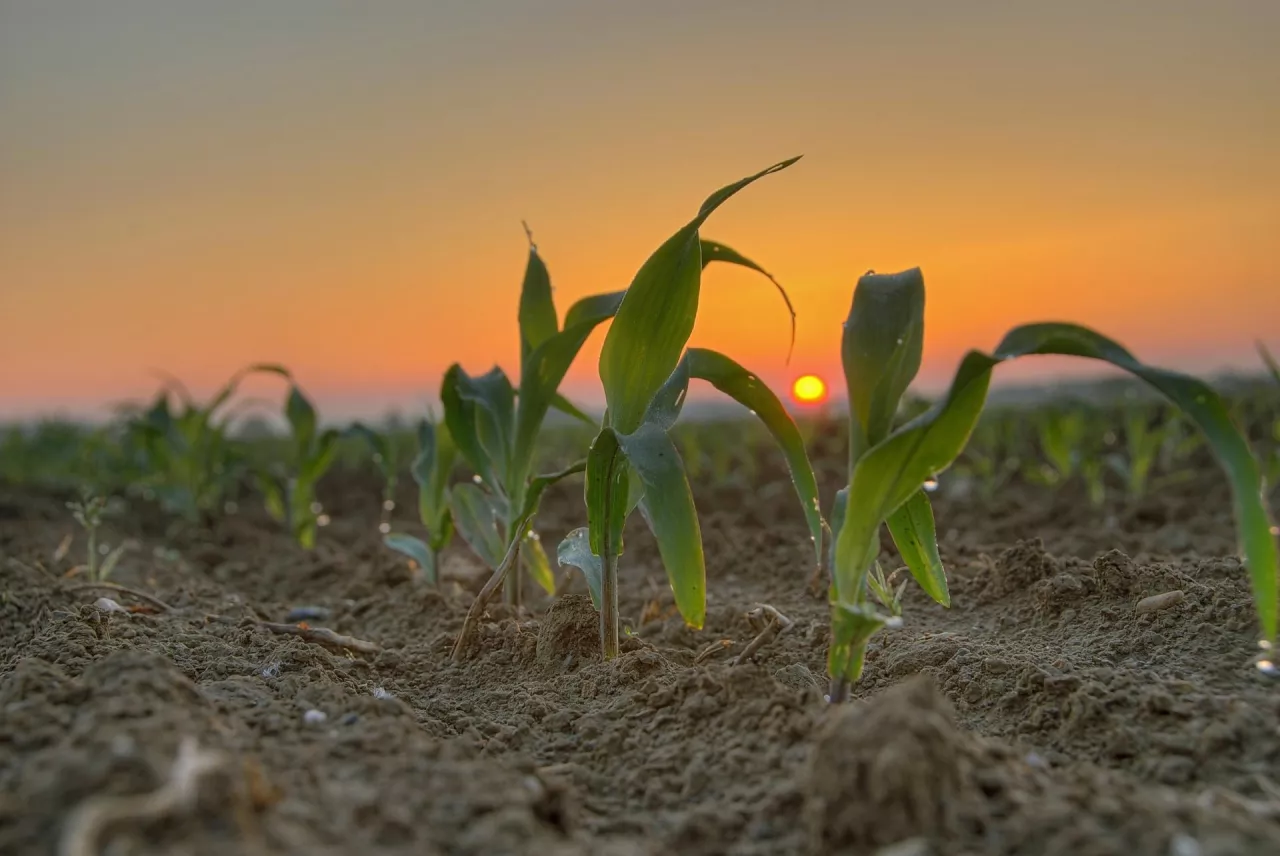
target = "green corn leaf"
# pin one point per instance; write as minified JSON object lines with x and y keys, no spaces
{"x":317,"y":465}
{"x":838,"y":509}
{"x":495,"y":401}
{"x":539,"y":484}
{"x":431,"y":471}
{"x":272,"y":496}
{"x":229,"y":389}
{"x":607,"y":488}
{"x":378,"y":444}
{"x":461,"y":417}
{"x":666,"y":405}
{"x":713,"y":251}
{"x":575,"y":550}
{"x":891,"y":472}
{"x":415,"y":549}
{"x":594,"y":309}
{"x":537,"y":314}
{"x":537,"y":563}
{"x":477,"y":522}
{"x":302,"y":420}
{"x":567,"y":407}
{"x":668,"y":509}
{"x":913,"y":532}
{"x":543,"y":371}
{"x":748,"y":390}
{"x":655,"y":319}
{"x":881,"y":348}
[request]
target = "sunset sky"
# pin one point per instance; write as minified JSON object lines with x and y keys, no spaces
{"x":191,"y":186}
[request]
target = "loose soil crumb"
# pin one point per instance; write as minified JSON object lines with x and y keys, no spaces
{"x":1044,"y":713}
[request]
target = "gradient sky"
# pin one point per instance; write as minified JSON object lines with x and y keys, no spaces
{"x":339,"y":186}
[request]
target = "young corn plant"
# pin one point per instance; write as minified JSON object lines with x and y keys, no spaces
{"x":633,"y":461}
{"x":89,"y":511}
{"x":1144,"y":436}
{"x":386,"y":458}
{"x":496,"y":427}
{"x":431,"y":470}
{"x":882,"y":344}
{"x":289,"y":491}
{"x":190,"y":458}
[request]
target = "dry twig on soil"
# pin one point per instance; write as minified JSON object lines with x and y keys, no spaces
{"x":777,"y":623}
{"x":154,"y":601}
{"x":318,"y":635}
{"x":98,"y":814}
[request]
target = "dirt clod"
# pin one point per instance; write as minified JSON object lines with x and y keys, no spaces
{"x":569,"y":633}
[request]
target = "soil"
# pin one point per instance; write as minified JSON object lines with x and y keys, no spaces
{"x":1044,"y":713}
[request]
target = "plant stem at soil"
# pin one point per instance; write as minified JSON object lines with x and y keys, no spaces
{"x":609,"y":602}
{"x":482,"y":600}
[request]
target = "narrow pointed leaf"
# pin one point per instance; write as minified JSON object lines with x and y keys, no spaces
{"x":415,"y":549}
{"x":537,"y":314}
{"x":567,"y":407}
{"x":669,"y":510}
{"x":230,"y":387}
{"x":594,"y":309}
{"x":461,"y":418}
{"x":748,"y":390}
{"x":476,"y":522}
{"x":607,"y":488}
{"x":652,"y":325}
{"x":913,"y":532}
{"x":302,"y":419}
{"x":713,"y":251}
{"x":665,"y":407}
{"x":575,"y":550}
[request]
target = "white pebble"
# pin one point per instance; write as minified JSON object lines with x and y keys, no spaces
{"x":314,"y":717}
{"x":106,"y":604}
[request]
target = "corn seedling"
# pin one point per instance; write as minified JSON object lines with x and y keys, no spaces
{"x":496,"y":426}
{"x":386,"y":458}
{"x":89,"y":511}
{"x":633,"y":462}
{"x":431,"y":470}
{"x":187,"y":451}
{"x":289,"y":491}
{"x":882,"y":344}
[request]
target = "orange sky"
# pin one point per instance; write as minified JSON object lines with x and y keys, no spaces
{"x":339,"y":187}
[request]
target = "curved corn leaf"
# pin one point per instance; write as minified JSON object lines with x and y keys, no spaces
{"x":714,"y":251}
{"x":477,"y":522}
{"x":748,"y":390}
{"x":891,"y":472}
{"x":537,"y":313}
{"x":575,"y":550}
{"x":326,"y":449}
{"x":913,"y":532}
{"x":537,"y":563}
{"x":415,"y":549}
{"x":379,"y":444}
{"x":539,"y":484}
{"x":880,"y":349}
{"x":431,"y":470}
{"x":668,"y":509}
{"x":656,"y":317}
{"x":229,"y":389}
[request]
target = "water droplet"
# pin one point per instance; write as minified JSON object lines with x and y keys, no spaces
{"x":1109,"y":438}
{"x":931,"y":484}
{"x":322,"y":520}
{"x":1267,"y":667}
{"x":1264,"y":644}
{"x":476,"y":478}
{"x":389,"y":505}
{"x":316,"y":508}
{"x":1275,"y":530}
{"x":534,"y":536}
{"x":104,"y":549}
{"x":384,"y":528}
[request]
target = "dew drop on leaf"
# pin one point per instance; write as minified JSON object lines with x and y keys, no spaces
{"x":389,"y":505}
{"x":476,"y":478}
{"x":316,"y":508}
{"x":384,"y":528}
{"x":931,"y":484}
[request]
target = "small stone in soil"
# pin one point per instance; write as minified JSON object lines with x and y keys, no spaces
{"x":314,"y":717}
{"x":1157,"y":602}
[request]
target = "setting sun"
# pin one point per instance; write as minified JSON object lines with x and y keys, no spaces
{"x":809,"y":389}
